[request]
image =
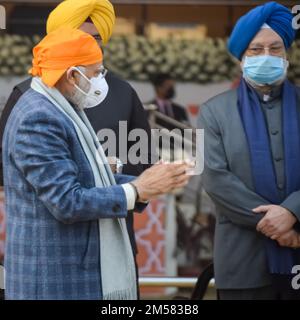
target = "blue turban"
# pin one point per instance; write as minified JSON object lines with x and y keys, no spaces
{"x":278,"y":17}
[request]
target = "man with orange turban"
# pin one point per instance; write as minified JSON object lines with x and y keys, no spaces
{"x":66,"y":229}
{"x":120,"y":101}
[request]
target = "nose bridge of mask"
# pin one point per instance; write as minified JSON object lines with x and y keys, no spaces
{"x":265,"y":64}
{"x":96,"y":82}
{"x":264,"y":60}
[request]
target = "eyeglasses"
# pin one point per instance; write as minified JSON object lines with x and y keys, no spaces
{"x":102,"y":71}
{"x":259,"y":50}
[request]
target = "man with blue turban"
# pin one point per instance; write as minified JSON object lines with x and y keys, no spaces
{"x":252,"y":162}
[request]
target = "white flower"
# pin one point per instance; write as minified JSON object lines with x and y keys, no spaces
{"x":138,"y":58}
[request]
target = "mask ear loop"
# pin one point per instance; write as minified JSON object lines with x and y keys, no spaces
{"x":83,"y":75}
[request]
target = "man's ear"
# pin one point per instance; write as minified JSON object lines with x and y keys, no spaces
{"x":70,"y":76}
{"x":241,"y":62}
{"x":288,"y":53}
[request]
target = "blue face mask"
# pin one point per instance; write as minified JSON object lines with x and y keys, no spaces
{"x":264,"y":70}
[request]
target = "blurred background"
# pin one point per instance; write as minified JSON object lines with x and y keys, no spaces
{"x":180,"y":40}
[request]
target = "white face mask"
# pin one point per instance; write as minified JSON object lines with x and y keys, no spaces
{"x":90,"y":92}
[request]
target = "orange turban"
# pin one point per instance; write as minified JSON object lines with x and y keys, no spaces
{"x":62,"y":49}
{"x":73,"y":13}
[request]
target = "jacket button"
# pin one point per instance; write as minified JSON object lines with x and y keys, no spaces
{"x":280,"y":186}
{"x":116,"y":208}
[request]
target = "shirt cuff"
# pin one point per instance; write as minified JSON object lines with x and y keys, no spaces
{"x":130,"y":195}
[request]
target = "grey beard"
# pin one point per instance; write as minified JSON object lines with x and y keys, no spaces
{"x":76,"y":100}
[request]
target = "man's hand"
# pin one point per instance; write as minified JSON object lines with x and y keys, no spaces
{"x":290,"y":239}
{"x":276,"y":222}
{"x":112,"y":161}
{"x":161,"y":178}
{"x":115,"y":164}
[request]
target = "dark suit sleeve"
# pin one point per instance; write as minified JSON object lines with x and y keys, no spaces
{"x":180,"y":114}
{"x":292,"y":203}
{"x":226,"y":189}
{"x":139,"y":120}
{"x":12,"y":100}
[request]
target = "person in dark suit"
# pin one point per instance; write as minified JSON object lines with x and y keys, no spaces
{"x":164,"y":86}
{"x":121,"y":102}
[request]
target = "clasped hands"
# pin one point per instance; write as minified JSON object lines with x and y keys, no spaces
{"x":277,"y":224}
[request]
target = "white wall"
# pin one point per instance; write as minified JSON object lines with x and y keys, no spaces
{"x":187,"y":93}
